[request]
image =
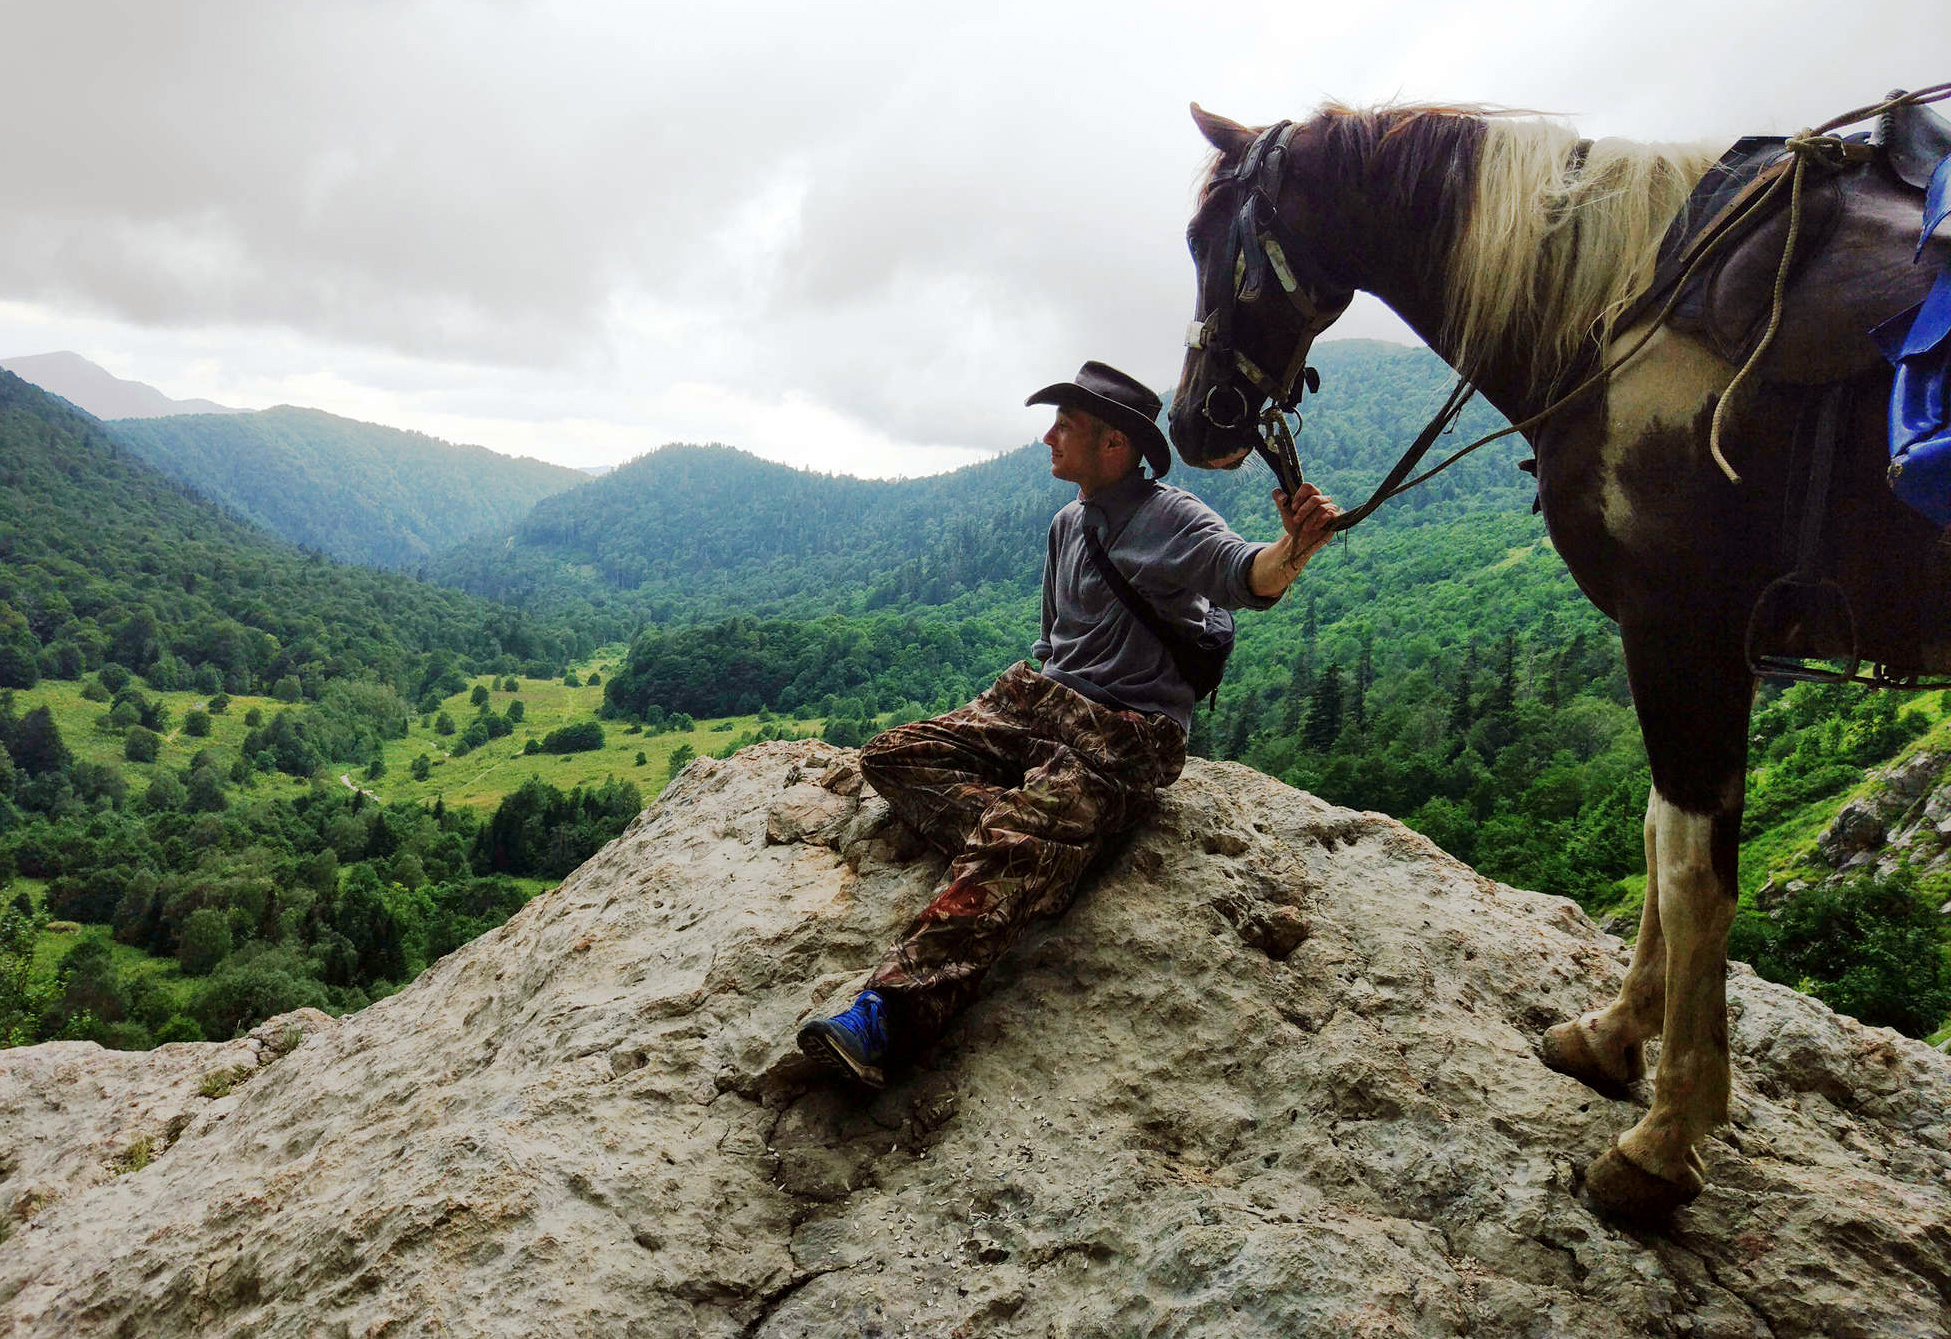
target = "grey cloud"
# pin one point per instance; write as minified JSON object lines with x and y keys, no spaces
{"x":907,"y":216}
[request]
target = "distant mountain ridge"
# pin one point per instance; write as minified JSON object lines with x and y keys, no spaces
{"x":360,"y":492}
{"x":106,"y":558}
{"x":99,"y":391}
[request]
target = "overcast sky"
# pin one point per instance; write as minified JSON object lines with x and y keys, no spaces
{"x":845,"y":235}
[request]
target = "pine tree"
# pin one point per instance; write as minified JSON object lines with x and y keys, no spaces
{"x":1241,"y":733}
{"x":1324,"y":713}
{"x":1503,"y":694}
{"x":1364,"y":676}
{"x":1461,"y":714}
{"x":1299,"y":688}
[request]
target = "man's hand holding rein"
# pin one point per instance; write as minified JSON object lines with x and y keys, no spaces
{"x":1306,"y":524}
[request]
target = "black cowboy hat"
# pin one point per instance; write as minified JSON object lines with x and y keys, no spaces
{"x":1121,"y":401}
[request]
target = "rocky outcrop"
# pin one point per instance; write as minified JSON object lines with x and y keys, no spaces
{"x":1274,"y":1074}
{"x":1859,"y":835}
{"x":1900,"y":822}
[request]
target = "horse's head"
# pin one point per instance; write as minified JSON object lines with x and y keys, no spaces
{"x":1263,"y":291}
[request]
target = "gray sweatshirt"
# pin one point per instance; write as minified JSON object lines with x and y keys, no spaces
{"x":1177,"y":552}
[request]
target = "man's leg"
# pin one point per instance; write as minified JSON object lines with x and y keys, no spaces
{"x":1094,"y":772}
{"x":939,"y":775}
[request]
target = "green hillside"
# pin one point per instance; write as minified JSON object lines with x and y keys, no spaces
{"x":177,"y":689}
{"x":105,"y":559}
{"x":357,"y":492}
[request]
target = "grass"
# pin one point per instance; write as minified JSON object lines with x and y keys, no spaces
{"x":1781,"y":850}
{"x":476,"y":780}
{"x":479,"y":779}
{"x":219,"y":1082}
{"x":130,"y":963}
{"x":77,"y":720}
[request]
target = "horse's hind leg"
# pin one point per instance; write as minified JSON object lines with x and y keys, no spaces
{"x":1602,"y":1049}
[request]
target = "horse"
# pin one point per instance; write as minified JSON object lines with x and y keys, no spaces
{"x":1516,"y":251}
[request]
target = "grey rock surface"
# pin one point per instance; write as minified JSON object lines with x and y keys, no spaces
{"x":1274,"y":1074}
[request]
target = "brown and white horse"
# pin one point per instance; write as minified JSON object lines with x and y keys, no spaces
{"x":1513,"y":247}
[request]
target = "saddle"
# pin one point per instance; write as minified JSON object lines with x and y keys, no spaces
{"x":1857,"y":259}
{"x":1863,"y":289}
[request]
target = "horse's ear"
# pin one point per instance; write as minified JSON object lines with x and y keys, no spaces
{"x":1229,"y":137}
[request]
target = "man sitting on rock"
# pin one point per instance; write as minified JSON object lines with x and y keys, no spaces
{"x":1022,"y":787}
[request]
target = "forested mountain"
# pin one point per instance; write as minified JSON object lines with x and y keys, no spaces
{"x":105,"y":559}
{"x":359,"y":492}
{"x":167,"y":672}
{"x":101,"y":392}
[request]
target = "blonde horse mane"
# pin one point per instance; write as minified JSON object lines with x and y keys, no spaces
{"x":1555,"y":249}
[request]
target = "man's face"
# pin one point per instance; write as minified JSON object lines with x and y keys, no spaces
{"x":1086,"y":452}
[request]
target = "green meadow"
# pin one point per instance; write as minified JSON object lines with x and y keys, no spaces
{"x":479,"y":778}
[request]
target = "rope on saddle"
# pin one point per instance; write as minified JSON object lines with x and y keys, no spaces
{"x":1823,"y":146}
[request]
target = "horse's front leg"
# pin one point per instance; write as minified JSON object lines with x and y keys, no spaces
{"x":1692,"y":701}
{"x":1603,"y":1049}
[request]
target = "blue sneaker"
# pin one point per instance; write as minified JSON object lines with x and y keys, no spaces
{"x":855,"y":1042}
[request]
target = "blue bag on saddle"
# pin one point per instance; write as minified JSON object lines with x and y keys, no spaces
{"x":1920,"y":398}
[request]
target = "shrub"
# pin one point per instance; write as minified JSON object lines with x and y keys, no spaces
{"x":240,"y":995}
{"x":680,"y":755}
{"x":141,"y":745}
{"x":204,"y":943}
{"x":581,"y":737}
{"x":197,"y":723}
{"x":165,"y":794}
{"x":1871,"y":948}
{"x":178,"y":1028}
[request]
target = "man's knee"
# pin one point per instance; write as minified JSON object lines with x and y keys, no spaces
{"x":886,"y":756}
{"x":878,"y":755}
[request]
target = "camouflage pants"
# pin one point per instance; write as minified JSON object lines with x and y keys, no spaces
{"x":1020,"y":789}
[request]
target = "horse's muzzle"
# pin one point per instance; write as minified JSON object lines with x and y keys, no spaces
{"x":1213,"y":444}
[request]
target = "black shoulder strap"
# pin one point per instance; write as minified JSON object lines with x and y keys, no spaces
{"x":1141,"y":608}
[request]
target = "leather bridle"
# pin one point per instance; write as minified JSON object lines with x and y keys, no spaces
{"x":1261,"y":250}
